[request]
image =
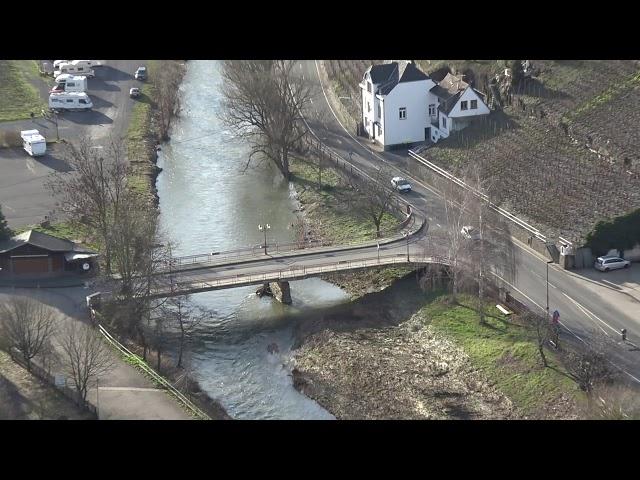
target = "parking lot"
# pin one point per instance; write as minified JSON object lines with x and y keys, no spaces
{"x":23,"y":197}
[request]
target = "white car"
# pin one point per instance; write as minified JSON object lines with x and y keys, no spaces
{"x":606,"y":263}
{"x":401,"y":184}
{"x":470,"y":233}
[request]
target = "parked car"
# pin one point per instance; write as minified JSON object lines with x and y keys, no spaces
{"x":610,"y":262}
{"x":141,"y":73}
{"x":135,"y":92}
{"x":401,"y":184}
{"x":470,"y":233}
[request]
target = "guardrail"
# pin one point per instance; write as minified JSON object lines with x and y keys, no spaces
{"x":179,"y":288}
{"x":532,"y":230}
{"x":161,"y":380}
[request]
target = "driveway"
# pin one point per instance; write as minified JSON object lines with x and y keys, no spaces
{"x":23,"y":198}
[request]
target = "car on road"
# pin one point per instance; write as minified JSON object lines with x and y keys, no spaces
{"x":470,"y":233}
{"x":401,"y":184}
{"x":141,"y":73}
{"x":610,"y":262}
{"x":135,"y":92}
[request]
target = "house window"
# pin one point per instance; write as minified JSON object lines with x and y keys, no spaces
{"x":368,"y":107}
{"x":379,"y":112}
{"x":444,"y":122}
{"x":403,"y":113}
{"x":369,"y":87}
{"x":474,"y":104}
{"x":379,"y":130}
{"x":464,"y":105}
{"x":432,"y":109}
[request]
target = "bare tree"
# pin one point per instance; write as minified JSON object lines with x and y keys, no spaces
{"x":590,"y":367}
{"x":167,"y":95}
{"x":374,"y":196}
{"x":27,"y":325}
{"x":186,"y":317}
{"x":86,"y":355}
{"x":263,"y":103}
{"x":139,"y":253}
{"x":543,"y":330}
{"x":457,"y":202}
{"x":92,"y":195}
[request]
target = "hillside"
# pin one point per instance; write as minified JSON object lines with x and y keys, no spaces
{"x":565,"y":151}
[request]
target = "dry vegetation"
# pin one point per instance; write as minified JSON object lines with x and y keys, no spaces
{"x":564,"y":145}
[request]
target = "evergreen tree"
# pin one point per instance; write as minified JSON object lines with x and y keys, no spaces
{"x":5,"y":231}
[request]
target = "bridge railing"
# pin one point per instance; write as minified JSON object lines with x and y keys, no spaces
{"x":178,"y":288}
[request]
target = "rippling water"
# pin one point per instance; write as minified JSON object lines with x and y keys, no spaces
{"x":209,"y":204}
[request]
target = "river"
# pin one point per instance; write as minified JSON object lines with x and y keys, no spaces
{"x":208,"y":203}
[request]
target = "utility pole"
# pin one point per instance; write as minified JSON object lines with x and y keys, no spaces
{"x":550,"y":261}
{"x":55,"y":115}
{"x":406,"y":235}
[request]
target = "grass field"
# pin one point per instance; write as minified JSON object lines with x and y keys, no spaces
{"x":328,"y":209}
{"x":18,"y":97}
{"x":506,"y":352}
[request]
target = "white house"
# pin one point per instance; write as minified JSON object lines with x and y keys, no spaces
{"x":401,"y":105}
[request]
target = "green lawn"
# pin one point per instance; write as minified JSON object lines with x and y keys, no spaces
{"x":66,"y":230}
{"x":328,"y":208}
{"x":18,"y":97}
{"x":139,"y":133}
{"x":506,"y":352}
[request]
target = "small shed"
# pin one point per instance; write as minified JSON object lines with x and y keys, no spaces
{"x":36,"y":253}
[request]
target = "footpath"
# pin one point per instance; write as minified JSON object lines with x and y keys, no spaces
{"x":124,"y":393}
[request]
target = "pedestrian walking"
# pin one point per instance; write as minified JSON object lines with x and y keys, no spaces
{"x":33,"y":117}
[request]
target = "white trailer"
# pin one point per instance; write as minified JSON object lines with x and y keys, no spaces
{"x":33,"y":143}
{"x":70,"y":101}
{"x":86,"y":63}
{"x":72,"y":83}
{"x":57,"y":63}
{"x":73,"y":70}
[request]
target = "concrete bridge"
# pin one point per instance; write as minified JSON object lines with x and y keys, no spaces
{"x":283,"y":263}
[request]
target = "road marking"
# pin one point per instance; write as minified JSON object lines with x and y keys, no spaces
{"x":131,"y":389}
{"x":612,"y":284}
{"x":553,"y":286}
{"x":590,"y":313}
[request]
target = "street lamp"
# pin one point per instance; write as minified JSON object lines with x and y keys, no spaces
{"x":264,"y":228}
{"x":550,"y":261}
{"x":406,"y":235}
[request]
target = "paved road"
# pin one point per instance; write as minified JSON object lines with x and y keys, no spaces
{"x":24,"y":199}
{"x":583,"y":310}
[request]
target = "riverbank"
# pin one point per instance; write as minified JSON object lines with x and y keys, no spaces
{"x":327,"y":207}
{"x":428,"y":358}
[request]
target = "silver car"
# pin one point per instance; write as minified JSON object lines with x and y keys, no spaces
{"x":609,"y":262}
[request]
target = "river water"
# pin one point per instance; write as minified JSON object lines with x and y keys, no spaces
{"x":209,"y":204}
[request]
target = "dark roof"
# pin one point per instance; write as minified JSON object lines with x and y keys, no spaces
{"x":382,"y":73}
{"x":42,"y":240}
{"x":394,"y":73}
{"x":412,"y":74}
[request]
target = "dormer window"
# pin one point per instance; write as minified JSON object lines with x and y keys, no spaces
{"x":369,"y":87}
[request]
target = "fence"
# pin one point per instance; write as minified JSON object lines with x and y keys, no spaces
{"x":71,"y":393}
{"x":180,"y":288}
{"x":524,"y":232}
{"x":158,"y":378}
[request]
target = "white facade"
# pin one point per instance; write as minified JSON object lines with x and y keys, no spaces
{"x":411,"y":113}
{"x":406,"y":112}
{"x":468,"y":96}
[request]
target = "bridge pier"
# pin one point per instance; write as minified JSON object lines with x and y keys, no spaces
{"x":281,"y":292}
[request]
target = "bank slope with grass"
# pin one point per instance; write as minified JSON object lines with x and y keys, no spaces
{"x":18,"y":95}
{"x":331,"y":216}
{"x":439,"y":364}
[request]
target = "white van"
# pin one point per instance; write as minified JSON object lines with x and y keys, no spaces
{"x":72,"y":83}
{"x":33,"y":143}
{"x":70,"y":101}
{"x":57,"y":63}
{"x":73,"y":70}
